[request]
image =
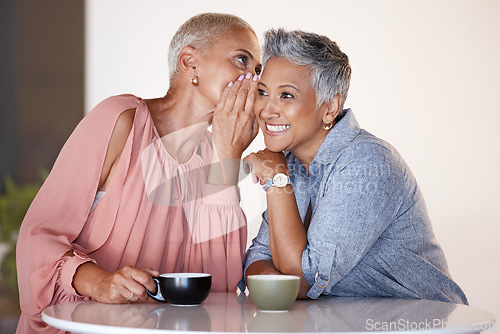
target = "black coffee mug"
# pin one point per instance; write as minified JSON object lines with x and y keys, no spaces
{"x":182,"y":288}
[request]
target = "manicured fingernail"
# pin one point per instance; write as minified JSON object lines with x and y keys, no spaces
{"x":249,"y":75}
{"x":230,"y":84}
{"x":241,"y":77}
{"x":255,"y":77}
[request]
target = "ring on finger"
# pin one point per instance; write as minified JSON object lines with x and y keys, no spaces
{"x":130,"y":297}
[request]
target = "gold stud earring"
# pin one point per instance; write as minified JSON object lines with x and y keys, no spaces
{"x":327,"y":126}
{"x":194,"y":80}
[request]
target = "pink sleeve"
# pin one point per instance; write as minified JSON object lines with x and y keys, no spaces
{"x":60,"y":209}
{"x":65,"y":271}
{"x":221,"y":195}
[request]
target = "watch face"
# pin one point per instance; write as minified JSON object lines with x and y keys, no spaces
{"x":280,"y":180}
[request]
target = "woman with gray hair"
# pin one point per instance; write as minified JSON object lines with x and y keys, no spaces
{"x":141,"y":187}
{"x":344,"y":211}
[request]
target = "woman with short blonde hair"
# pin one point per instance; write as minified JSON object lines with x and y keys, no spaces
{"x":141,"y":187}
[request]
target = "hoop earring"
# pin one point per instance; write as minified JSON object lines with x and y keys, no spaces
{"x":327,"y":126}
{"x":194,"y":80}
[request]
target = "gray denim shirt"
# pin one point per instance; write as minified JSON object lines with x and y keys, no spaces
{"x":370,"y":234}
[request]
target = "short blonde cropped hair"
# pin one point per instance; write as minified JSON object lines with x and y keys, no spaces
{"x":198,"y":32}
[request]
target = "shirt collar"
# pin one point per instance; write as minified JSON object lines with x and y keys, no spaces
{"x":341,"y":134}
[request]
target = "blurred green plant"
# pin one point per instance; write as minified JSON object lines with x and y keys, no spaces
{"x":13,"y":206}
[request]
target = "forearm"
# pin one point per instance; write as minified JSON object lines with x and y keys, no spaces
{"x":86,"y":278}
{"x":287,"y":235}
{"x":262,"y":267}
{"x":127,"y":284}
{"x":224,"y":172}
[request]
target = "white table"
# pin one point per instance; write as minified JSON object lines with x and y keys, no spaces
{"x":228,"y":312}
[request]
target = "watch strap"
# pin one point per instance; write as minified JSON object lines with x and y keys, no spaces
{"x":267,"y":184}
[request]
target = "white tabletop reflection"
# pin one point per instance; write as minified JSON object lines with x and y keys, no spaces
{"x":228,"y":312}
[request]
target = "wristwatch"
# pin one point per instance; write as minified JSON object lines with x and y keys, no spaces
{"x":279,"y":180}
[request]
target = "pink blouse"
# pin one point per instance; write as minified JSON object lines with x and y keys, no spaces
{"x":155,"y":213}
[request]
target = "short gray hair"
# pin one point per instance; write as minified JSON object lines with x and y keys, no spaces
{"x":198,"y":32}
{"x":330,"y":70}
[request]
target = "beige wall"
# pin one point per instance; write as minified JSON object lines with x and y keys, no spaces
{"x":425,"y":78}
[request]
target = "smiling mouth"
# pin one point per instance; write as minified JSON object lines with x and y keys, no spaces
{"x":277,"y":128}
